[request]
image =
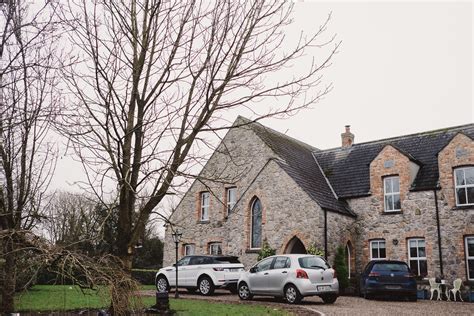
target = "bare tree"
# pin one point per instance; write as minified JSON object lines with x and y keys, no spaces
{"x":28,"y":104}
{"x":156,"y":81}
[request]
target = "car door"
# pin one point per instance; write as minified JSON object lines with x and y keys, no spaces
{"x":196,"y":267}
{"x":258,"y":278}
{"x":183,"y":266}
{"x":278,"y":275}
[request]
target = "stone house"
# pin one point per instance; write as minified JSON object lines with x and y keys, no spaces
{"x":409,"y":198}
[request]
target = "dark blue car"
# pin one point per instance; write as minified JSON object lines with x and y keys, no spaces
{"x":388,"y":277}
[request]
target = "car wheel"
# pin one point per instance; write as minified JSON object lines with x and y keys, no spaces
{"x":162,"y":285}
{"x":292,"y":295}
{"x":329,"y":298}
{"x":206,"y":287}
{"x":244,"y":292}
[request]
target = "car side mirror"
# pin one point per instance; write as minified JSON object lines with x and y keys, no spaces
{"x":174,"y":264}
{"x":253,"y":270}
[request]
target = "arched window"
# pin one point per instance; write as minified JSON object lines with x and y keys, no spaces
{"x":256,"y":226}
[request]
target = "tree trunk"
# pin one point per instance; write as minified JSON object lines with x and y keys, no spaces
{"x":8,"y":277}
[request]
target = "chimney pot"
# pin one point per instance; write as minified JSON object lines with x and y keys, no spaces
{"x":347,"y":138}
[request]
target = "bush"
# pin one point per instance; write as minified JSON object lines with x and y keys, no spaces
{"x":143,"y":276}
{"x":313,"y":250}
{"x":340,"y":265}
{"x":266,"y":251}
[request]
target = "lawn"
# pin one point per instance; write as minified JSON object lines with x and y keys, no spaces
{"x":64,"y":297}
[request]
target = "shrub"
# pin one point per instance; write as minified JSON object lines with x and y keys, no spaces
{"x":266,"y":251}
{"x":340,"y":265}
{"x":143,"y":276}
{"x":313,"y":250}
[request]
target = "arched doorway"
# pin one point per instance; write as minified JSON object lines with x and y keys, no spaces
{"x":295,"y":246}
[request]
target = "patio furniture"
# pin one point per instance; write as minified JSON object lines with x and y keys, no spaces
{"x":456,"y":289}
{"x":434,"y":286}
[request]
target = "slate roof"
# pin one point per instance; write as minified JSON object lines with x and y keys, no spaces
{"x":298,"y":162}
{"x":348,"y":168}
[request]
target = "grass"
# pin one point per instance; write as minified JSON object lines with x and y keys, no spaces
{"x":65,"y":297}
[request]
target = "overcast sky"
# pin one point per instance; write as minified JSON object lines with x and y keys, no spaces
{"x":403,"y":67}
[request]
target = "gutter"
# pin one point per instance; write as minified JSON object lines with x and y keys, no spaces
{"x":326,"y":235}
{"x":438,"y":226}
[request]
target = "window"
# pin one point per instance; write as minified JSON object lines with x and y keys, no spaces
{"x":189,"y":249}
{"x":282,"y":263}
{"x":470,"y":257}
{"x":417,"y":256}
{"x":205,"y":202}
{"x":464,"y":179}
{"x":215,"y":248}
{"x":391,"y":187}
{"x":184,"y":261}
{"x":231,"y":199}
{"x":264,"y":265}
{"x":348,"y":257}
{"x":377,"y":249}
{"x":256,"y":229}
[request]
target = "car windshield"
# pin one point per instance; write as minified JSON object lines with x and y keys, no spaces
{"x":390,"y":267}
{"x":224,"y":260}
{"x":313,"y":263}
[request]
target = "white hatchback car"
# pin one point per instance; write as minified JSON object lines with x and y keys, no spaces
{"x":292,"y":277}
{"x":203,"y":273}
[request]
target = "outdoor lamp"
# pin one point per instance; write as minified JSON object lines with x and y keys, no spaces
{"x":176,"y":238}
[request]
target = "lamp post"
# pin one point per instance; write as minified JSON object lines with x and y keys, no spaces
{"x":176,"y":238}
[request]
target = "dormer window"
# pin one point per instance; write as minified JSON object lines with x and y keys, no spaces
{"x":464,"y":180}
{"x":392,"y":194}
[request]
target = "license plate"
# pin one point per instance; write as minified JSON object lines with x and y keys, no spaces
{"x":324,"y":288}
{"x":392,"y":287}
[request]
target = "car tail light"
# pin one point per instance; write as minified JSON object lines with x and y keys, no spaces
{"x":218,"y":269}
{"x":374,"y":274}
{"x":301,"y":274}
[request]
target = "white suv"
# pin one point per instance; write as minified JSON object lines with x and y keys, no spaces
{"x":203,"y":273}
{"x":292,"y":277}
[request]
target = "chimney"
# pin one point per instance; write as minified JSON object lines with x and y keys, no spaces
{"x":347,"y":137}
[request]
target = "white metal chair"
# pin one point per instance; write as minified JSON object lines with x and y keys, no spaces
{"x":456,"y":289}
{"x":434,"y":286}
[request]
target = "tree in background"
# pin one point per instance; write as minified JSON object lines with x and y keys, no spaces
{"x":29,"y":103}
{"x":340,"y":265}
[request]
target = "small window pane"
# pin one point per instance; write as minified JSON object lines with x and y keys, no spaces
{"x":414,"y":267}
{"x":470,"y":247}
{"x":469,"y":175}
{"x":413,"y":252}
{"x":375,"y":253}
{"x":470,"y":195}
{"x":396,"y":184}
{"x":459,"y":177}
{"x":388,"y":185}
{"x":461,"y":194}
{"x":423,"y":268}
{"x":421,"y":252}
{"x":396,"y":202}
{"x":471,"y":268}
{"x":389,"y":202}
{"x":382,"y":252}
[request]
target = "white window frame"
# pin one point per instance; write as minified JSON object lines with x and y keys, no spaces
{"x":187,"y":247}
{"x":213,"y":244}
{"x":462,"y":186}
{"x":417,"y":258}
{"x":393,"y":193}
{"x":230,"y":204}
{"x":205,"y":207}
{"x":378,"y":241}
{"x":468,"y":257}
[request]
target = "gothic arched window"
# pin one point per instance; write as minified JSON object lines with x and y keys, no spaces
{"x":256,"y":226}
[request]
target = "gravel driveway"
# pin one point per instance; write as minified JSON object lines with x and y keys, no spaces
{"x":345,"y":305}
